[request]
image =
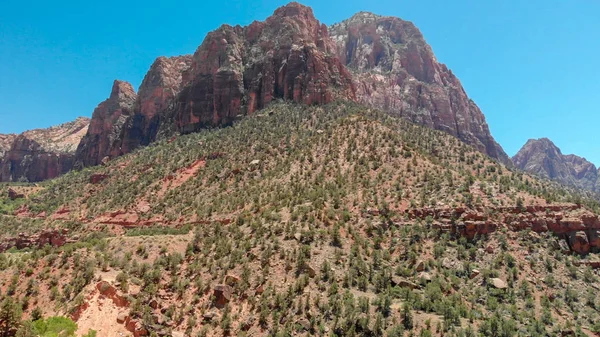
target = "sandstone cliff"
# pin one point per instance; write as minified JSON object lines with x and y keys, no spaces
{"x":42,"y":153}
{"x":103,"y":137}
{"x":395,"y":70}
{"x":238,"y":70}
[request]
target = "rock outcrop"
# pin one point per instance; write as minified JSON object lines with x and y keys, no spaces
{"x":395,"y":70}
{"x":103,"y":138}
{"x":154,"y":107}
{"x":42,"y":154}
{"x":578,"y":226}
{"x":53,"y":237}
{"x":238,"y":70}
{"x":543,"y":158}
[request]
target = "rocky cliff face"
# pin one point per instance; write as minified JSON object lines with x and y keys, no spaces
{"x":238,"y":70}
{"x":42,"y":153}
{"x":381,"y":62}
{"x":103,"y":137}
{"x":543,"y":158}
{"x":5,"y":143}
{"x":154,"y":107}
{"x":395,"y":70}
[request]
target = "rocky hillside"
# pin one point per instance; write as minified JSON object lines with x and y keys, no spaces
{"x":543,"y":158}
{"x":305,"y":221}
{"x":41,"y":154}
{"x":380,"y":62}
{"x":395,"y":70}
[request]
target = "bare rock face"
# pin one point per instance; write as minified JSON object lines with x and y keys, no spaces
{"x":378,"y":61}
{"x":6,"y":142}
{"x":395,"y":70}
{"x":238,"y":70}
{"x":543,"y":158}
{"x":103,"y":137}
{"x":154,"y":107}
{"x":42,"y":154}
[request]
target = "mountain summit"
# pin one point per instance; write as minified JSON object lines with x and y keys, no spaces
{"x":544,"y":158}
{"x":395,"y":70}
{"x":380,"y":62}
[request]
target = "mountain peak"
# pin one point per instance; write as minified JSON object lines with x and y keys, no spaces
{"x":542,"y":157}
{"x":122,"y":90}
{"x":294,"y":9}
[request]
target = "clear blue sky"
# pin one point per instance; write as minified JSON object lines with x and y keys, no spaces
{"x":531,"y":65}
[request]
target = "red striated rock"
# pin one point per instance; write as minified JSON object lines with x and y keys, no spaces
{"x":104,"y":134}
{"x":136,"y":327}
{"x":239,"y":70}
{"x":154,"y":107}
{"x":108,"y":291}
{"x":395,"y":70}
{"x":42,"y":154}
{"x":54,"y":238}
{"x":578,"y":225}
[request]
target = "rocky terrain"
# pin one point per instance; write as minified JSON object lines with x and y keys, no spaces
{"x":336,"y":219}
{"x":41,"y":154}
{"x":395,"y":70}
{"x":381,"y":62}
{"x":543,"y":158}
{"x":361,"y":195}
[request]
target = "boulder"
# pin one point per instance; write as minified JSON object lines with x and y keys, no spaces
{"x":420,"y":266}
{"x":232,"y":280}
{"x":498,"y":283}
{"x":402,"y":283}
{"x":122,"y":317}
{"x":14,"y":195}
{"x":579,"y":242}
{"x":222,"y":295}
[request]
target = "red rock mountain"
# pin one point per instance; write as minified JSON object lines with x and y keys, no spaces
{"x":103,"y":137}
{"x":395,"y":70}
{"x":543,"y":158}
{"x":42,"y":153}
{"x":378,"y":61}
{"x":238,"y":70}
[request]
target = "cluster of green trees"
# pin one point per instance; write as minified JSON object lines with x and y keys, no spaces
{"x":12,"y":324}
